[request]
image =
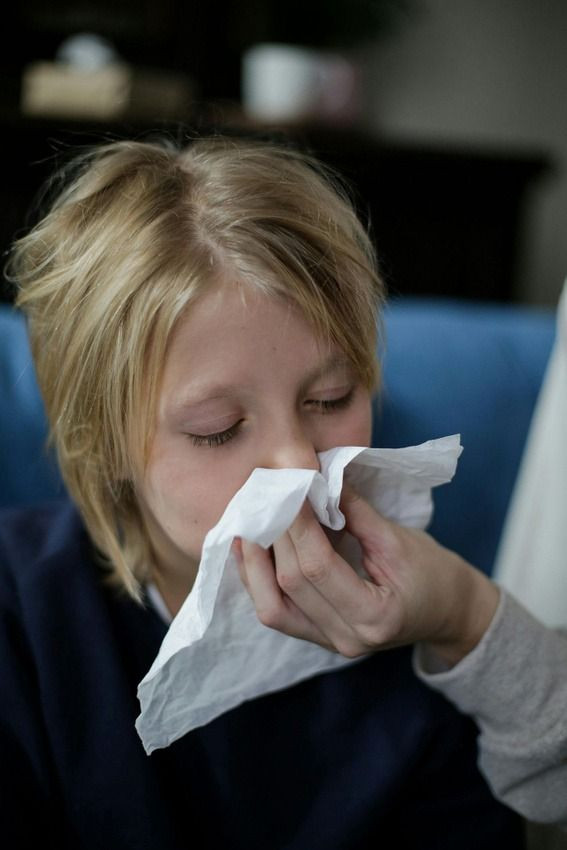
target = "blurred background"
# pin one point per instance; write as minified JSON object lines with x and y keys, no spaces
{"x":448,"y":118}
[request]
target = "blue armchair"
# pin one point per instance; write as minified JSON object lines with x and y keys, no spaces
{"x":448,"y":367}
{"x":27,"y":472}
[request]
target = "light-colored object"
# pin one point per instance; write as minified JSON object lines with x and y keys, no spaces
{"x":88,"y":51}
{"x":283,"y":82}
{"x":113,"y":91}
{"x":514,"y":686}
{"x":532,"y":558}
{"x":216,"y":653}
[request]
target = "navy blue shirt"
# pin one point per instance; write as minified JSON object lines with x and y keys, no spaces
{"x":366,"y":757}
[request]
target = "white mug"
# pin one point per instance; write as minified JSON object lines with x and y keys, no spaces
{"x":283,"y":82}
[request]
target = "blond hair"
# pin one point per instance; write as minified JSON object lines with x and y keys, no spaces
{"x":133,"y":239}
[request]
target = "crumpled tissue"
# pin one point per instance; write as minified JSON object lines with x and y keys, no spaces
{"x":216,"y":653}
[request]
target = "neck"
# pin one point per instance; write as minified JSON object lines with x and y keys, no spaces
{"x":174,"y":586}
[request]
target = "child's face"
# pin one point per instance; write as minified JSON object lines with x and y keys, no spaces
{"x":245,"y":384}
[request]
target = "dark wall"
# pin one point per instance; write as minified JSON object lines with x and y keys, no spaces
{"x":198,"y":38}
{"x":445,"y":222}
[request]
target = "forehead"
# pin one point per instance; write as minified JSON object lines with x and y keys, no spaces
{"x":235,"y":331}
{"x":232,"y":315}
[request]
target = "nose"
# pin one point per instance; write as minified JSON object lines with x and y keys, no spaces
{"x":290,"y":448}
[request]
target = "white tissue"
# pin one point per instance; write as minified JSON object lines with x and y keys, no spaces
{"x":216,"y":653}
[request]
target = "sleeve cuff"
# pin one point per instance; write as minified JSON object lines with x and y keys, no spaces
{"x":508,"y":675}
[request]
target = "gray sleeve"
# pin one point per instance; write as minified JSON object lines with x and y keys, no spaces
{"x":514,"y":685}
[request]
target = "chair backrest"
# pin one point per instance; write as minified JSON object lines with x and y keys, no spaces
{"x":449,"y":367}
{"x":28,"y":472}
{"x":474,"y":369}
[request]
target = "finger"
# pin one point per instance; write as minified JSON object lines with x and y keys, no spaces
{"x":236,"y":550}
{"x":362,"y":520}
{"x":259,"y":575}
{"x":381,"y":540}
{"x":273,"y":608}
{"x":355,"y":599}
{"x":304,"y":594}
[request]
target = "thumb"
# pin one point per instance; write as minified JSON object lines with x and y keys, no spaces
{"x":362,"y":520}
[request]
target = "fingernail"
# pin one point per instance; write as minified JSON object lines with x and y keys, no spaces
{"x":236,"y":549}
{"x":348,"y":493}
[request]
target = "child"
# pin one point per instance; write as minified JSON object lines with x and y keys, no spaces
{"x":193,"y":315}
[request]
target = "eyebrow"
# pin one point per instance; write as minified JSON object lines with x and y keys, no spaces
{"x":214,"y":392}
{"x":331,"y":364}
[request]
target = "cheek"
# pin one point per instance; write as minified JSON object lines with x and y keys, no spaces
{"x":187,"y":490}
{"x":353,"y":428}
{"x":362,"y":426}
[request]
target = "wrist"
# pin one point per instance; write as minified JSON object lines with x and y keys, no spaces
{"x":472,"y":606}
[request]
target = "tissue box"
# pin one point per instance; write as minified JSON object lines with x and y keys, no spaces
{"x":115,"y":91}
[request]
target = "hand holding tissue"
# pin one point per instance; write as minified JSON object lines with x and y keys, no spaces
{"x":216,"y":653}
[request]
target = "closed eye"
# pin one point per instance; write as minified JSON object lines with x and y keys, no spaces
{"x":329,"y":405}
{"x":322,"y":406}
{"x":216,"y":439}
